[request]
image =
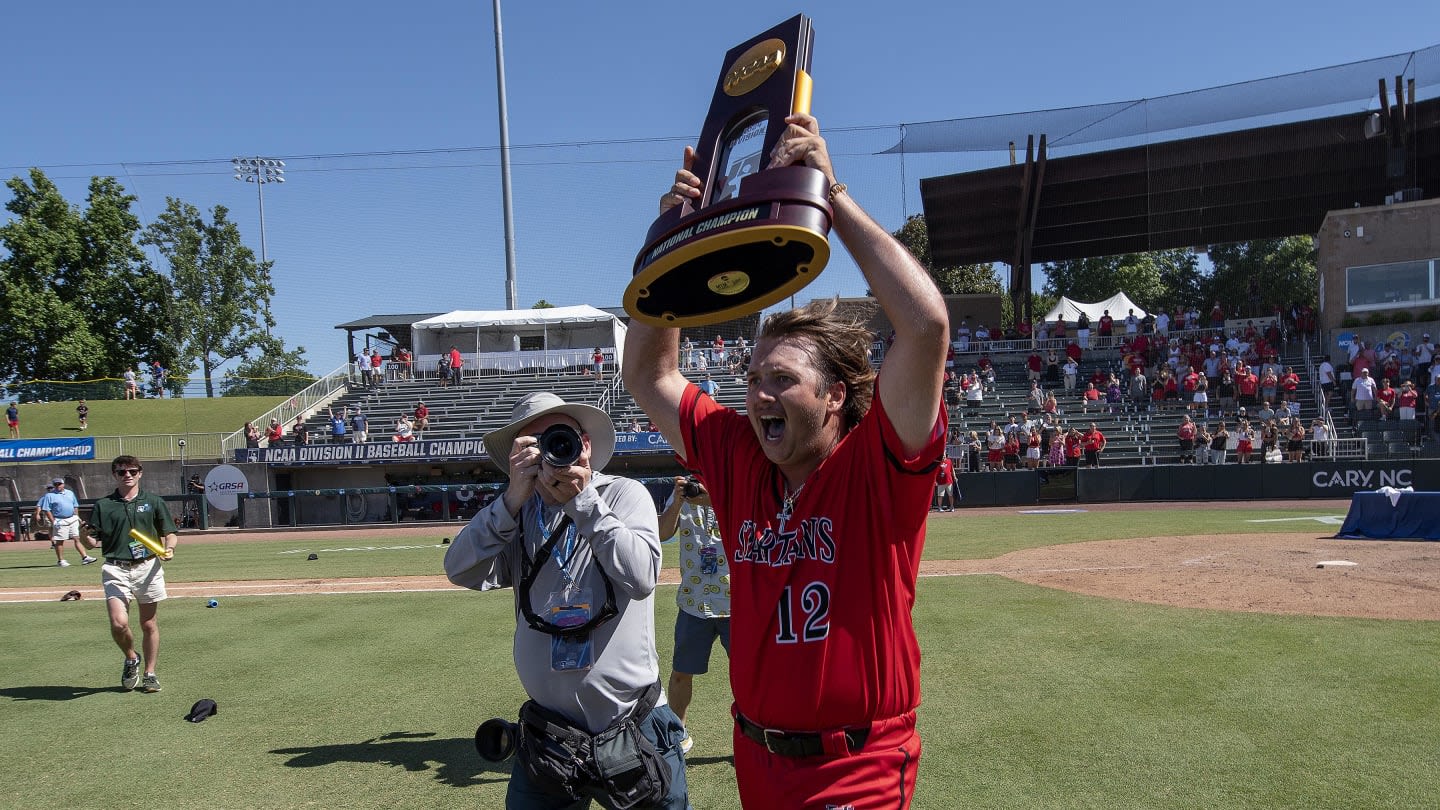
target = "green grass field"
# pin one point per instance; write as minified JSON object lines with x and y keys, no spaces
{"x":1033,"y":697}
{"x":142,"y":417}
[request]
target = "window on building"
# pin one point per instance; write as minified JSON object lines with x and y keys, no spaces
{"x":1390,"y":286}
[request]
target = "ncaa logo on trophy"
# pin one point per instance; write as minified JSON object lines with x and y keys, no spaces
{"x":758,"y":234}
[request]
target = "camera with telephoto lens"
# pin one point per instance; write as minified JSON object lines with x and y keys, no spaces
{"x":693,"y":489}
{"x":560,"y":446}
{"x":495,"y":739}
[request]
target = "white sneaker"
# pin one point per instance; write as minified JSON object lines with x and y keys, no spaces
{"x":86,"y":560}
{"x":686,"y":744}
{"x":63,"y":563}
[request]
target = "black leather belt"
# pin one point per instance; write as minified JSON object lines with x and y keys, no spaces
{"x":128,"y":563}
{"x":796,"y":743}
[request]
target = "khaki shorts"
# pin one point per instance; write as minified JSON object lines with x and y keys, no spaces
{"x":144,"y":582}
{"x":65,"y":528}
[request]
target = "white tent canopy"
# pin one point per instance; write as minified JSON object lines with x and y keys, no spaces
{"x":1118,"y":305}
{"x":564,"y":334}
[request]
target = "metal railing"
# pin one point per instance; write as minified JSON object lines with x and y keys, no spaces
{"x":321,"y":392}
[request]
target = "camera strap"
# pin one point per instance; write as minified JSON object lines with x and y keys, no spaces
{"x":530,"y":569}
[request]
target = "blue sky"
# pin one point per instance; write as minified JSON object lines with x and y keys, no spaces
{"x":386,"y":116}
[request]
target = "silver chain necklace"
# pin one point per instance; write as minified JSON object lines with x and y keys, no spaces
{"x":788,"y":507}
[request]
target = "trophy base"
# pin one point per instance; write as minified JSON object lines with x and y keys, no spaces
{"x":735,"y":258}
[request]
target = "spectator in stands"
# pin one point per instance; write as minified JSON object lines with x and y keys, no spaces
{"x":1071,"y":371}
{"x":1114,"y":394}
{"x":1269,"y":384}
{"x":1201,"y":398}
{"x":360,"y":427}
{"x":974,"y":392}
{"x":299,"y":434}
{"x":717,"y":351}
{"x":1034,"y":365}
{"x":252,"y":435}
{"x":1138,"y":388}
{"x":709,"y":387}
{"x":1326,"y":373}
{"x":1032,"y":447}
{"x":362,"y":368}
{"x":1424,"y":356}
{"x":1050,"y":405}
{"x":274,"y":433}
{"x":1244,"y":441}
{"x":1219,"y":441}
{"x":1187,"y":432}
{"x":131,"y":386}
{"x":962,"y":337}
{"x":1269,"y":442}
{"x":377,"y":367}
{"x":1406,"y":400}
{"x":403,"y":363}
{"x":456,"y":364}
{"x":972,"y":451}
{"x":404,"y":430}
{"x":1162,"y":324}
{"x":1074,"y":352}
{"x":1319,"y":438}
{"x":597,"y":364}
{"x":1092,"y":397}
{"x":1035,"y":399}
{"x":687,"y":353}
{"x":1074,"y":447}
{"x":1093,"y":442}
{"x":1082,"y":330}
{"x":635,"y":426}
{"x":994,"y":447}
{"x":1060,"y":328}
{"x":1107,"y":329}
{"x":1012,"y":449}
{"x":1132,"y":324}
{"x":1266,"y":413}
{"x":1432,"y":406}
{"x":1385,"y":399}
{"x":1295,"y":441}
{"x":1225,"y":393}
{"x":1052,"y":368}
{"x":337,"y":424}
{"x":422,"y":416}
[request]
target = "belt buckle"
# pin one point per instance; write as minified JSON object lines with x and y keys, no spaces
{"x":766,"y":736}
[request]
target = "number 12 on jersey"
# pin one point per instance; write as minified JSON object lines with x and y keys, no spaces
{"x":814,"y":607}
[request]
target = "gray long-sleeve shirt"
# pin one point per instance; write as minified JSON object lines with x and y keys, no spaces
{"x":616,"y":524}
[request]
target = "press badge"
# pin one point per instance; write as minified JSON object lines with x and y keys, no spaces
{"x":570,"y":608}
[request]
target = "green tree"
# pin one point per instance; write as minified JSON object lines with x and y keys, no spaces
{"x":1283,"y":272}
{"x":78,"y":299}
{"x":1155,"y":279}
{"x":965,"y":279}
{"x":222,"y":293}
{"x":270,"y":371}
{"x":543,"y":304}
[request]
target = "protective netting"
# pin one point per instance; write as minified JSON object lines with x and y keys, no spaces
{"x":1292,"y":97}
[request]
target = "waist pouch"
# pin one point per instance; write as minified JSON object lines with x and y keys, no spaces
{"x":620,"y":761}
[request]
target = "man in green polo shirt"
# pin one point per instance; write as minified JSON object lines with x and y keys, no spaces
{"x":131,"y":570}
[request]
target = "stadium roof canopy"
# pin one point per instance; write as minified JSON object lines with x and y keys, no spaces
{"x":1260,"y":159}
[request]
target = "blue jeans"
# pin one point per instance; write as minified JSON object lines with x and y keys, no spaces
{"x":662,"y":728}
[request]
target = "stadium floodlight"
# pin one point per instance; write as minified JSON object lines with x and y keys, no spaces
{"x":260,"y":171}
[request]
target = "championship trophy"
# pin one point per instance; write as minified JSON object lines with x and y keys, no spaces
{"x":758,"y":234}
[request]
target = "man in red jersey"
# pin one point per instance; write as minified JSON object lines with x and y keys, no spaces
{"x":822,"y":489}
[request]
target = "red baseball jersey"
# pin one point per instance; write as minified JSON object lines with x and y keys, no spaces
{"x":821,"y":634}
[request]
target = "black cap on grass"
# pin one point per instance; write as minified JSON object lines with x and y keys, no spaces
{"x":313,"y":557}
{"x":202,"y":709}
{"x":71,"y":596}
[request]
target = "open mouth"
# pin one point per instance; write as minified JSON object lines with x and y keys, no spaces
{"x":772,"y":428}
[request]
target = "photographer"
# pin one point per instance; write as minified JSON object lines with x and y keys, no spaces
{"x":581,"y":550}
{"x":704,"y":593}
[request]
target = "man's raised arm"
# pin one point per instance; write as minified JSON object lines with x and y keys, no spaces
{"x":914,"y":367}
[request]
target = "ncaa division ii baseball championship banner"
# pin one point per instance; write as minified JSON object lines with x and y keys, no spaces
{"x":47,"y":449}
{"x":400,"y":452}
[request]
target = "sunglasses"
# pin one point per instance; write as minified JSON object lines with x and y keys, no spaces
{"x":127,"y":471}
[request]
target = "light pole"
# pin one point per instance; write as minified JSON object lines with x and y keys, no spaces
{"x":260,"y":171}
{"x":510,"y":297}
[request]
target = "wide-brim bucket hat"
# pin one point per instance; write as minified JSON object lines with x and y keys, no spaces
{"x":594,"y":423}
